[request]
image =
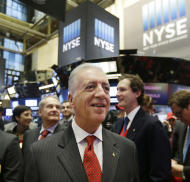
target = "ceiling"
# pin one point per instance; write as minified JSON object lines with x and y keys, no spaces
{"x":35,"y":35}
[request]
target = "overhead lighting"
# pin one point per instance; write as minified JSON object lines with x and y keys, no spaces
{"x":11,"y":90}
{"x":46,"y":86}
{"x":113,"y":76}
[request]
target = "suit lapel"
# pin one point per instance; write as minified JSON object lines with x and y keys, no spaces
{"x":135,"y":125}
{"x":110,"y":157}
{"x":69,"y":156}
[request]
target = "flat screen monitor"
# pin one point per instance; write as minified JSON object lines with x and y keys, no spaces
{"x":31,"y":102}
{"x":8,"y":112}
{"x":11,"y":90}
{"x":108,"y":66}
{"x":14,"y":103}
{"x":113,"y":91}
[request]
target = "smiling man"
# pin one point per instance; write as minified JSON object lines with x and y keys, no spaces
{"x":85,"y":152}
{"x":49,"y":112}
{"x":146,"y":131}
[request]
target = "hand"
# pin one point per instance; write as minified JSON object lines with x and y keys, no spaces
{"x":177,"y":169}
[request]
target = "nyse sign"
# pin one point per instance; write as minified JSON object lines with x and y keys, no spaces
{"x":72,"y":44}
{"x":176,"y":29}
{"x":104,"y":35}
{"x":103,"y":44}
{"x":71,"y":35}
{"x":164,"y":22}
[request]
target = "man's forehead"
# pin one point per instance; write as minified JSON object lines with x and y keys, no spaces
{"x":66,"y":103}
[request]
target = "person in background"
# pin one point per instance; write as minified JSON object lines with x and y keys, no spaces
{"x":180,"y":105}
{"x":67,"y":114}
{"x":21,"y":121}
{"x":10,"y":158}
{"x":65,"y":156}
{"x":1,"y":119}
{"x":170,"y":123}
{"x":49,"y":112}
{"x":147,"y":104}
{"x":145,"y":130}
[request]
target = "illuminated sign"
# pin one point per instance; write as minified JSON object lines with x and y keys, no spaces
{"x":164,"y":22}
{"x":104,"y":35}
{"x":71,"y":35}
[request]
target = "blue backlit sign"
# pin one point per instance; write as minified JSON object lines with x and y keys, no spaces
{"x":103,"y":35}
{"x":164,"y":22}
{"x":160,"y":12}
{"x":71,"y":35}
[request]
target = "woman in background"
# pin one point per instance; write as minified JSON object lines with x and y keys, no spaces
{"x":21,"y":121}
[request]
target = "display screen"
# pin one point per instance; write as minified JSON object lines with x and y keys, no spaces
{"x":8,"y":112}
{"x":11,"y":90}
{"x":31,"y":103}
{"x":108,"y":67}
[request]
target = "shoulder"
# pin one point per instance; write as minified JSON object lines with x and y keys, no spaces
{"x":10,"y":127}
{"x":117,"y":139}
{"x":49,"y":141}
{"x":7,"y":139}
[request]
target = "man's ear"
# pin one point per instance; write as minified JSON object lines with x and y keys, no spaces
{"x":138,"y":93}
{"x":39,"y":112}
{"x":70,"y":98}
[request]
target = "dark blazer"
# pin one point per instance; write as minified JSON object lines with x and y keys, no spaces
{"x":57,"y":158}
{"x":152,"y":146}
{"x":31,"y":136}
{"x":178,"y":141}
{"x":10,"y":158}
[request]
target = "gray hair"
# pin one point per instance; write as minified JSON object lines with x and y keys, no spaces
{"x":73,"y":76}
{"x":43,"y":100}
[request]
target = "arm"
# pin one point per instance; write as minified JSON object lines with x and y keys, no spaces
{"x":12,"y":162}
{"x":160,"y":166}
{"x":31,"y":174}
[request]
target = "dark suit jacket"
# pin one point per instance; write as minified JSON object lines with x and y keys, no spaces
{"x":31,"y":136}
{"x":10,"y":158}
{"x":57,"y":158}
{"x":152,"y":146}
{"x":178,"y":141}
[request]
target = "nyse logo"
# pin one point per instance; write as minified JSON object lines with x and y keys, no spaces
{"x":163,"y":20}
{"x":104,"y":35}
{"x":71,"y":35}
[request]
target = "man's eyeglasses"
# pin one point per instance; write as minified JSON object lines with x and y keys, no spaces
{"x":179,"y":114}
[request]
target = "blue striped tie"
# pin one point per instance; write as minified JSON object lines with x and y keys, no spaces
{"x":186,"y":145}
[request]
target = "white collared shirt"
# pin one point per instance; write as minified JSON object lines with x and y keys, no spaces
{"x":80,"y":136}
{"x":51,"y":130}
{"x":131,"y":116}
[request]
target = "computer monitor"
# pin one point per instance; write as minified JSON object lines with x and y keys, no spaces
{"x":31,"y":102}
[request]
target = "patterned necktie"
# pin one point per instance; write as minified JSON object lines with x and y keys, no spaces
{"x":44,"y":134}
{"x":91,"y":163}
{"x":186,"y":145}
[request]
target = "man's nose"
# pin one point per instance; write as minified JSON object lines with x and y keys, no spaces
{"x":100,"y":91}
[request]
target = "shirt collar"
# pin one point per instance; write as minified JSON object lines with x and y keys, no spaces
{"x":132,"y":114}
{"x":51,"y":130}
{"x":80,"y":134}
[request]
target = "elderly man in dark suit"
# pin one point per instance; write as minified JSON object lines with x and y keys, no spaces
{"x":49,"y":112}
{"x":180,"y":105}
{"x":63,"y":156}
{"x":146,"y":131}
{"x":10,"y":158}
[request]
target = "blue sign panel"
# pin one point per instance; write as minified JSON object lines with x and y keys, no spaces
{"x":160,"y":12}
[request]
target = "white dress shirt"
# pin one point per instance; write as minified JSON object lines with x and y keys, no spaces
{"x":80,"y":136}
